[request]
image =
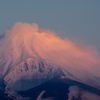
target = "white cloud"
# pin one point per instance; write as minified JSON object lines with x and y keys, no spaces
{"x":84,"y":95}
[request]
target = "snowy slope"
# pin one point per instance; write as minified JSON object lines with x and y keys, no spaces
{"x":30,"y":57}
{"x":30,"y":73}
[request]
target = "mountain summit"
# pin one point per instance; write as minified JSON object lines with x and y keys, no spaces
{"x":30,"y":57}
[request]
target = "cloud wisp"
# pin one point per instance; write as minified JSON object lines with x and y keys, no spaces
{"x":79,"y":94}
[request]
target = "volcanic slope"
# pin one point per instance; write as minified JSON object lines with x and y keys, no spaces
{"x":30,"y":57}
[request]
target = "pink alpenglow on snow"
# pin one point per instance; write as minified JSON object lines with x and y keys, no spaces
{"x":27,"y":53}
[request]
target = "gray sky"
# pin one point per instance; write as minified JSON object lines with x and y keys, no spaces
{"x":78,"y":20}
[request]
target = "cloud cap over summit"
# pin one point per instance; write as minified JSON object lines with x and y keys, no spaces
{"x":24,"y":41}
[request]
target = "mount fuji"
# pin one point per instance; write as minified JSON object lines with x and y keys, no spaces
{"x":30,"y":57}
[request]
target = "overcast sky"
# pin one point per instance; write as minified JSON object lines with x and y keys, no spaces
{"x":78,"y":20}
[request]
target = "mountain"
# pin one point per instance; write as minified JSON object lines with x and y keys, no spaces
{"x":30,"y":57}
{"x":30,"y":73}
